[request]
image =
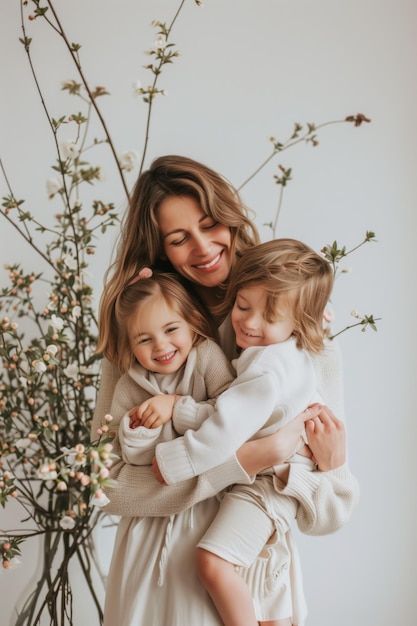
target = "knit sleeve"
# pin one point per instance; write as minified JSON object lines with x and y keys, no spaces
{"x":328,"y":366}
{"x":138,"y":494}
{"x":326,"y":499}
{"x":213,"y":375}
{"x":138,"y":444}
{"x":109,"y":377}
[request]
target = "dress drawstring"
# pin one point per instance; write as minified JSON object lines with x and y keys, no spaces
{"x":167,"y":540}
{"x":164,"y":551}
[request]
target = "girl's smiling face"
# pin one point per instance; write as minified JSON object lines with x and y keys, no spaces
{"x":197,"y":246}
{"x":160,"y":338}
{"x":249,"y":323}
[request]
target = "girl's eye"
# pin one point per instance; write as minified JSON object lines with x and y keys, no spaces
{"x":140,"y":342}
{"x":242,"y":308}
{"x":171,"y":329}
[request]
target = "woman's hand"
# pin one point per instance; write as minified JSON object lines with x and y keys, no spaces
{"x":327,"y":440}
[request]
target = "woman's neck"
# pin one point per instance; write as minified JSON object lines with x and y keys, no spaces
{"x":211,"y":298}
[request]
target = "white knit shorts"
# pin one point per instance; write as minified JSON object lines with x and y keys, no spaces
{"x":248,"y":516}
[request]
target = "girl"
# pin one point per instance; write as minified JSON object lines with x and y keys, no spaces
{"x":165,"y":350}
{"x":278,"y":292}
{"x":185,"y":218}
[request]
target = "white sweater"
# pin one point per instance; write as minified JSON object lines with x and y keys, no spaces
{"x":273,"y":384}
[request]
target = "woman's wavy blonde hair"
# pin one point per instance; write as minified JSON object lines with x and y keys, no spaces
{"x":140,"y":243}
{"x":132,"y":298}
{"x":293,"y":274}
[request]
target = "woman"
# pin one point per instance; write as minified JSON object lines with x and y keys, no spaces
{"x":185,"y":218}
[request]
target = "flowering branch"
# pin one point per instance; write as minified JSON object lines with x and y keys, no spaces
{"x":334,"y":254}
{"x":163,"y":53}
{"x":73,"y":49}
{"x":365,"y":321}
{"x":299,"y":135}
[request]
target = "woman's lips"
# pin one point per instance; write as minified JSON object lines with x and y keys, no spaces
{"x":210,"y":264}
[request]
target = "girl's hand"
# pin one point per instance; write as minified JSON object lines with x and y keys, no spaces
{"x":327,"y":440}
{"x":153,"y":412}
{"x":157,"y":472}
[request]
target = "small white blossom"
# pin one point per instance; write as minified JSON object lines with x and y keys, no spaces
{"x":160,"y":43}
{"x":14,"y":563}
{"x":70,"y":456}
{"x":76,"y":312}
{"x":354,"y":314}
{"x":67,"y":522}
{"x":52,"y":349}
{"x":39,"y":366}
{"x":57,"y":322}
{"x":23,"y":381}
{"x":72,"y":371}
{"x":70,"y":150}
{"x":45,"y":473}
{"x":70,"y":262}
{"x":52,"y":304}
{"x":53,"y":186}
{"x":129,"y":160}
{"x":100,"y":498}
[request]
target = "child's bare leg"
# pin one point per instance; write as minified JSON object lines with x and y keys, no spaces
{"x":227,"y":589}
{"x":277,"y":622}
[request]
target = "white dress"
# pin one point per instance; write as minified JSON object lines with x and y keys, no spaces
{"x":152,"y":578}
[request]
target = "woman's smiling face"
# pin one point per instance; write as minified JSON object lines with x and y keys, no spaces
{"x":197,"y":246}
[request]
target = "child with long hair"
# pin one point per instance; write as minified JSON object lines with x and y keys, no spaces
{"x":278,"y":292}
{"x":167,"y":350}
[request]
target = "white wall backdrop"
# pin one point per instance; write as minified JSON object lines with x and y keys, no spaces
{"x":249,"y":70}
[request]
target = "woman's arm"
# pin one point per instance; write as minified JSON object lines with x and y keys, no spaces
{"x":259,"y":454}
{"x":108,"y":381}
{"x":326,"y":497}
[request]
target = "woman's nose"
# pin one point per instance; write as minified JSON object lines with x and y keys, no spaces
{"x":201,"y":244}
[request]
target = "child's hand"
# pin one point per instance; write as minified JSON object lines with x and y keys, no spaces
{"x":157,"y":472}
{"x":153,"y":412}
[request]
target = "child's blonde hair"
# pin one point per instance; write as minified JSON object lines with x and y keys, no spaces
{"x":134,"y":295}
{"x":291,"y":273}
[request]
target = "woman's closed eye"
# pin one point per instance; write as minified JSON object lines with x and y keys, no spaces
{"x":179,"y":241}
